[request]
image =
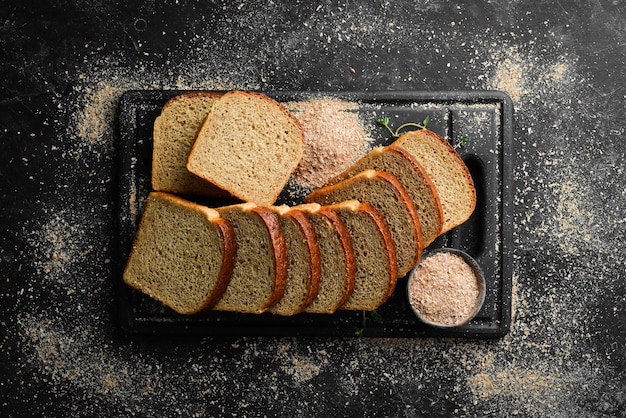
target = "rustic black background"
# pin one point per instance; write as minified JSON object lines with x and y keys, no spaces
{"x":64,"y":65}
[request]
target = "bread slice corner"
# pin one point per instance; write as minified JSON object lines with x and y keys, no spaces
{"x":448,"y":172}
{"x":248,"y":145}
{"x":260,"y":271}
{"x":183,"y":254}
{"x":387,"y":195}
{"x":374,"y":253}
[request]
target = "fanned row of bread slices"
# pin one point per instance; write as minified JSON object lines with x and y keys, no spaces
{"x":343,"y":248}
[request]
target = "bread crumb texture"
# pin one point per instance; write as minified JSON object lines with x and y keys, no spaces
{"x":334,"y":138}
{"x":566,"y":295}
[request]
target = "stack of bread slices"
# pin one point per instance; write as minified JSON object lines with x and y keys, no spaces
{"x":343,"y":248}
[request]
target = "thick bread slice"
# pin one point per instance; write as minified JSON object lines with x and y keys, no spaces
{"x":374,"y":254}
{"x":174,"y":133}
{"x":260,"y":270}
{"x":399,"y":162}
{"x":248,"y":145}
{"x":447,"y":171}
{"x":183,"y":254}
{"x":304,"y":268}
{"x":383,"y":191}
{"x":337,"y":259}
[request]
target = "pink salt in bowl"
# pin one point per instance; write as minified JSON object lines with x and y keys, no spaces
{"x":447,"y":288}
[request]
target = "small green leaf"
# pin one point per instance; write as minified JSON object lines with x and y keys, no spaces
{"x":376,"y":316}
{"x":383,"y":121}
{"x":462,"y":142}
{"x":365,"y":319}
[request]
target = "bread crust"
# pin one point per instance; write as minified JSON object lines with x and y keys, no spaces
{"x":228,"y":249}
{"x":381,"y":223}
{"x":191,"y":94}
{"x":228,"y":261}
{"x":415,"y":222}
{"x":318,"y":196}
{"x":346,"y":241}
{"x":466,"y":173}
{"x":340,"y":231}
{"x":419,"y":168}
{"x":314,"y":254}
{"x":279,"y":245}
{"x":451,"y":152}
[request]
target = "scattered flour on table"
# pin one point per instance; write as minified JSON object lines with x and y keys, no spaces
{"x":56,"y":246}
{"x":92,"y":122}
{"x":531,"y":391}
{"x":568,"y":183}
{"x":67,"y":357}
{"x":531,"y":79}
{"x":69,"y":345}
{"x":301,"y":369}
{"x":96,"y":97}
{"x":80,"y":355}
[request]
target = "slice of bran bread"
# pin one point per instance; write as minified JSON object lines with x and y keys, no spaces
{"x":385,"y":193}
{"x":400,"y":163}
{"x":174,"y":133}
{"x":304,"y":262}
{"x":249,"y":145}
{"x":183,"y":254}
{"x":260,"y":271}
{"x":447,"y":171}
{"x":374,"y":254}
{"x":337,"y":258}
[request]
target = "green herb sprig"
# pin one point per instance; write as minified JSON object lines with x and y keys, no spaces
{"x":395,"y":134}
{"x":462,"y":142}
{"x":384,"y":121}
{"x":365,"y":319}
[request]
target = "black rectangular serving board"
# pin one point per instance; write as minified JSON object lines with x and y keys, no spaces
{"x":484,"y":116}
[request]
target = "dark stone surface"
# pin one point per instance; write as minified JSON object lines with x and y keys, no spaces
{"x":64,"y":65}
